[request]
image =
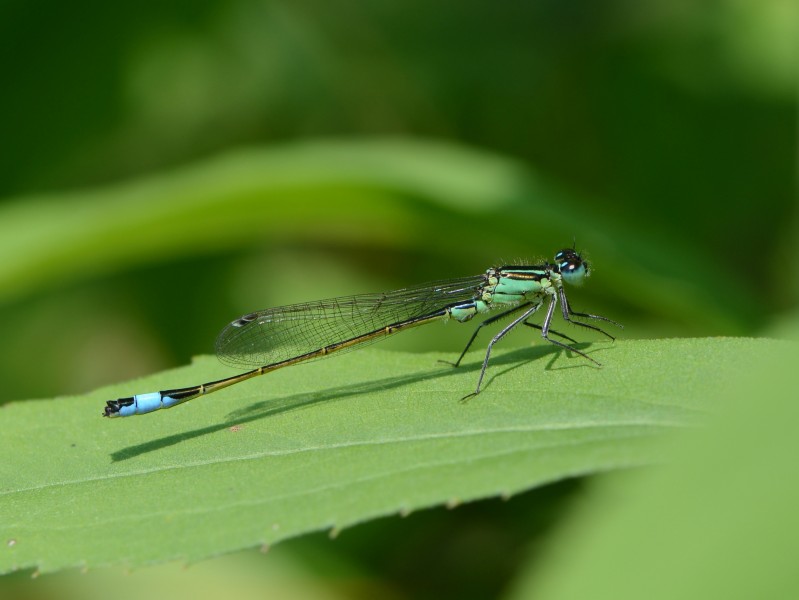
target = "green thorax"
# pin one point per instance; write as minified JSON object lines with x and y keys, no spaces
{"x":506,"y":286}
{"x":519,"y":284}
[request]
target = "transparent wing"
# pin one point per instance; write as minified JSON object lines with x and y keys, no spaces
{"x":276,"y":334}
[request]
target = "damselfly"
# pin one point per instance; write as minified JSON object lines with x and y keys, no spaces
{"x":280,"y":337}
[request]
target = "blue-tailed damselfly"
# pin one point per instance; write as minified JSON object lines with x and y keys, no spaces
{"x":279,"y":337}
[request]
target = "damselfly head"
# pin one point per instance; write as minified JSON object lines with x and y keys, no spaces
{"x":572,"y":267}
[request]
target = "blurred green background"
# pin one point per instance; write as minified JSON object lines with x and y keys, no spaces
{"x":412,"y":141}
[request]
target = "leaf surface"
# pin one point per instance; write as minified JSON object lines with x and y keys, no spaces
{"x":332,"y":443}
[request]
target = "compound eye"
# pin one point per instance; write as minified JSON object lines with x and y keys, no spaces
{"x":568,"y":260}
{"x":572,"y":267}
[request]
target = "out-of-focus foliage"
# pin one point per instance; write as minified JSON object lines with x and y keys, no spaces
{"x":661,"y":135}
{"x":667,"y":127}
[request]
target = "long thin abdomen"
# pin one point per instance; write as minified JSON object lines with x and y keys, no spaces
{"x":145,"y":403}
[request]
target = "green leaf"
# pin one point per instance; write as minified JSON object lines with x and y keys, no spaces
{"x":330,"y":444}
{"x":719,"y":521}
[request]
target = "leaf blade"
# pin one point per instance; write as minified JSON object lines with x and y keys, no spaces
{"x":331,"y":444}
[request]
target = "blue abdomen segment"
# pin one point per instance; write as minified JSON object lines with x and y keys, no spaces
{"x":139,"y":404}
{"x":143,"y":403}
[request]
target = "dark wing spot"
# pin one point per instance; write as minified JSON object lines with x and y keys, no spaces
{"x":242,"y":321}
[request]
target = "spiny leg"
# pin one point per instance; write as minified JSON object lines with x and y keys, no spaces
{"x":477,"y":329}
{"x":568,"y":313}
{"x":494,"y":319}
{"x":545,"y":332}
{"x":526,"y":315}
{"x":561,"y":335}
